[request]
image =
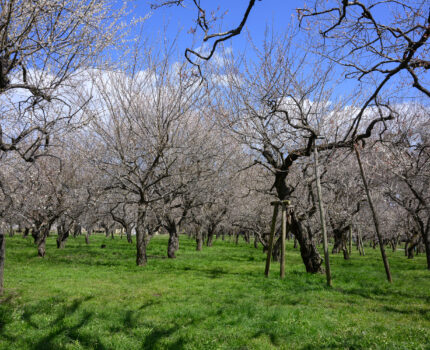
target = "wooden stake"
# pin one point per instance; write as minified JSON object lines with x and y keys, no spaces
{"x":283,"y":237}
{"x":322,"y":218}
{"x":272,"y":234}
{"x":375,"y":217}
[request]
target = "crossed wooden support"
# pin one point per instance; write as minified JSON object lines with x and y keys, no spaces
{"x":285,"y":205}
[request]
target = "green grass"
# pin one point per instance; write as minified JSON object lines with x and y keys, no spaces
{"x":85,"y":297}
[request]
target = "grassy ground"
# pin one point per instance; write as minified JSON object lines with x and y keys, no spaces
{"x":85,"y":297}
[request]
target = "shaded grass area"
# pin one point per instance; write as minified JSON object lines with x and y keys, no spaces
{"x":85,"y":297}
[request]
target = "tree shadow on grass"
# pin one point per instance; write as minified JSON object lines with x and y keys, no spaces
{"x":422,"y":312}
{"x":60,"y":327}
{"x":381,"y":294}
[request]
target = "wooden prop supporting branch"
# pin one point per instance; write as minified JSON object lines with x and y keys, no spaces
{"x":2,"y":258}
{"x":284,"y":204}
{"x":322,"y":219}
{"x":283,"y":237}
{"x":374,"y":215}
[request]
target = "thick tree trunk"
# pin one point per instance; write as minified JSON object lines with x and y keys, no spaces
{"x":63,"y":234}
{"x":128,"y":230}
{"x":411,"y":250}
{"x":310,"y":256}
{"x":2,"y":259}
{"x":308,"y":251}
{"x":173,"y":244}
{"x":338,"y":241}
{"x":255,"y":241}
{"x":345,"y":251}
{"x":210,"y":238}
{"x":35,"y":233}
{"x":427,"y":248}
{"x":276,"y":251}
{"x":77,"y":230}
{"x":41,"y":245}
{"x":199,"y":240}
{"x":11,"y":231}
{"x":26,"y":232}
{"x":246,"y":237}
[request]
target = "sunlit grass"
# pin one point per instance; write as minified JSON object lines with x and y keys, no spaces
{"x":85,"y":297}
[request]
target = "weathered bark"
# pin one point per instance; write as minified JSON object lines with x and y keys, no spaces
{"x":128,"y":230}
{"x":63,"y":234}
{"x":41,"y":242}
{"x":340,"y":239}
{"x":11,"y":231}
{"x":276,"y":251}
{"x":345,"y":252}
{"x":173,"y":244}
{"x":2,"y":258}
{"x":309,"y":253}
{"x":427,"y":248}
{"x":35,"y":232}
{"x":77,"y":230}
{"x":255,"y":241}
{"x":199,"y":240}
{"x":209,"y":240}
{"x":246,"y":237}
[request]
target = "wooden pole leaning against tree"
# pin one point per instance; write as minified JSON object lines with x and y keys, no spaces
{"x":322,"y":218}
{"x":374,"y":215}
{"x":283,"y":237}
{"x":272,"y":234}
{"x":2,"y":257}
{"x":284,"y":204}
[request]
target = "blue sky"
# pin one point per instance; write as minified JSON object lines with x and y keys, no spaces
{"x":276,"y":13}
{"x":273,"y":13}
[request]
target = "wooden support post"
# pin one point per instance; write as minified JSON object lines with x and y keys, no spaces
{"x":322,"y":218}
{"x":283,"y":237}
{"x":272,"y":234}
{"x":374,"y":215}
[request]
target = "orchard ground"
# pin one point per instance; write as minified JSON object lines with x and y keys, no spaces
{"x":85,"y":297}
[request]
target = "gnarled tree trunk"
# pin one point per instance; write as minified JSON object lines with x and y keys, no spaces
{"x":309,"y":253}
{"x":199,"y":240}
{"x":310,"y":256}
{"x":63,"y":234}
{"x":41,"y":240}
{"x":173,"y":244}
